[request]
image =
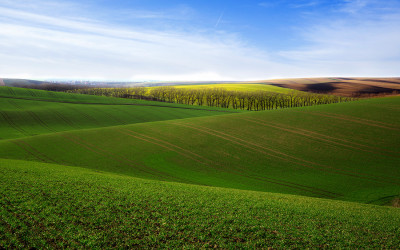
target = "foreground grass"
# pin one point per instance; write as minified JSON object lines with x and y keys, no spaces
{"x":46,"y":205}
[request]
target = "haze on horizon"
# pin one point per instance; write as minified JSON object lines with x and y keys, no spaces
{"x":198,"y":40}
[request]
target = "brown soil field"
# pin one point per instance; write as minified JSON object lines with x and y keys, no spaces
{"x":354,"y":87}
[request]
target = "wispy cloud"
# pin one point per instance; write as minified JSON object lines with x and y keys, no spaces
{"x":219,"y":18}
{"x":290,"y":4}
{"x":42,"y":45}
{"x":364,"y":42}
{"x":304,"y":4}
{"x":354,"y":6}
{"x":58,"y":39}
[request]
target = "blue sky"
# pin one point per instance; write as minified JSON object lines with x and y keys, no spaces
{"x":198,"y":40}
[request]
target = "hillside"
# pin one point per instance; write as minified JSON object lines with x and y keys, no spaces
{"x":26,"y":112}
{"x":303,"y":151}
{"x":20,"y":82}
{"x":341,"y":86}
{"x":52,"y":206}
{"x":98,"y":172}
{"x":355,"y":87}
{"x":62,"y":97}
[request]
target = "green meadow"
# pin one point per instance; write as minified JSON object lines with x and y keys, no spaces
{"x":26,"y":112}
{"x":86,"y":171}
{"x":54,"y":206}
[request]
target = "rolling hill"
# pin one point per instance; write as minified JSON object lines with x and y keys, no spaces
{"x":87,"y":171}
{"x":342,"y":86}
{"x":19,"y":82}
{"x":305,"y":151}
{"x":26,"y":112}
{"x":52,"y":206}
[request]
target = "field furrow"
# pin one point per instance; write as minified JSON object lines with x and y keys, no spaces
{"x":32,"y":151}
{"x":65,"y":119}
{"x":40,"y":121}
{"x":12,"y":124}
{"x":232,"y":169}
{"x":325,"y":138}
{"x":286,"y":157}
{"x":357,"y":120}
{"x":168,"y":147}
{"x":16,"y":105}
{"x":119,"y":158}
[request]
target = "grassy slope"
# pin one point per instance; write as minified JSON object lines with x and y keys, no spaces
{"x":345,"y":151}
{"x":46,"y":205}
{"x":61,"y":111}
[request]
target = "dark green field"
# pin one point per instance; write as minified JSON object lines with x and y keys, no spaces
{"x":26,"y":112}
{"x":87,"y":171}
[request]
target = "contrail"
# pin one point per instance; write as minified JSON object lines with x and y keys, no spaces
{"x":219,"y":19}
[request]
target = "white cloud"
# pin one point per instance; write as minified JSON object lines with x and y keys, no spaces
{"x":54,"y":44}
{"x":47,"y":46}
{"x":355,"y":44}
{"x":41,"y":46}
{"x":354,"y":6}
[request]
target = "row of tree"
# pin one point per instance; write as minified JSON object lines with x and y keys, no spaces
{"x":219,"y":97}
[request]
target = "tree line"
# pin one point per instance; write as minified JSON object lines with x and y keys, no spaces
{"x":219,"y":97}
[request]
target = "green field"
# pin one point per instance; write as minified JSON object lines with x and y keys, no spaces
{"x":26,"y":112}
{"x":62,"y":97}
{"x":53,"y":206}
{"x":115,"y":175}
{"x":237,"y":87}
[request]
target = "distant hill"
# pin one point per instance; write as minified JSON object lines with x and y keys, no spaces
{"x":43,"y":85}
{"x":355,"y":87}
{"x":20,"y":82}
{"x":341,"y":86}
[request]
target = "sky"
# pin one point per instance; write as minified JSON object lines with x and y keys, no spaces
{"x":198,"y":40}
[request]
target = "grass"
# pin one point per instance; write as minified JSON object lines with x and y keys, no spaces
{"x":26,"y":112}
{"x":102,"y":174}
{"x":79,"y":208}
{"x":62,"y":97}
{"x":301,"y":151}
